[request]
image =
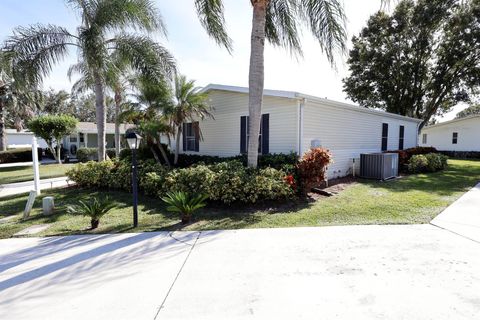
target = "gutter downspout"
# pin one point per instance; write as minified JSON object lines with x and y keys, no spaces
{"x":301,"y":108}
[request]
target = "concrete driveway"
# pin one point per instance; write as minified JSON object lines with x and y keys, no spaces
{"x":351,"y":272}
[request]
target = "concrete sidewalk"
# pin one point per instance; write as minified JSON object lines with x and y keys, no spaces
{"x":462,"y":216}
{"x":349,"y":272}
{"x":27,"y":186}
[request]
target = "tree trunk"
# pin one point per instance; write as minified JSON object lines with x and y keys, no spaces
{"x":155,"y":155}
{"x":256,"y":79}
{"x":52,"y":150}
{"x":177,"y":144}
{"x":3,"y":136}
{"x":59,"y":152}
{"x":162,"y":151}
{"x":100,"y":115}
{"x":118,"y":101}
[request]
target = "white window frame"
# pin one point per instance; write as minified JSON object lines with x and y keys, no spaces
{"x":190,"y":138}
{"x":424,"y":138}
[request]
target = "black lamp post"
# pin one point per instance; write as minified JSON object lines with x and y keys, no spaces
{"x":133,"y":141}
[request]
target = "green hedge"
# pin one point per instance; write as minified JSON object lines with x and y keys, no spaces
{"x":430,"y":162}
{"x":226,"y":182}
{"x":89,"y":154}
{"x":18,"y":155}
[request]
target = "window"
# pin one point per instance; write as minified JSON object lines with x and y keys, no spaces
{"x":263,"y":137}
{"x":82,"y":137}
{"x":73,"y":138}
{"x":191,"y":135}
{"x":455,"y":138}
{"x":401,"y":138}
{"x":424,"y":138}
{"x":384,"y":136}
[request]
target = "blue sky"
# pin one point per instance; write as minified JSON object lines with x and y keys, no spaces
{"x":199,"y":57}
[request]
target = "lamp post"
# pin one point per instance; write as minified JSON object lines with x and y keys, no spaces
{"x":133,"y":141}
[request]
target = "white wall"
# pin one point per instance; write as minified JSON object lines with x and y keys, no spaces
{"x":440,"y":136}
{"x":21,"y":139}
{"x":348,"y":133}
{"x":221,"y":135}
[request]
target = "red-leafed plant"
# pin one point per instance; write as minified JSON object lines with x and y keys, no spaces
{"x":312,"y":168}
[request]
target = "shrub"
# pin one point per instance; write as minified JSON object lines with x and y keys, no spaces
{"x":184,"y":203}
{"x":418,"y":163}
{"x":92,"y":174}
{"x":18,"y":155}
{"x":91,"y":154}
{"x":95,"y":209}
{"x":462,"y":154}
{"x":436,"y":161}
{"x":405,"y":155}
{"x":312,"y":167}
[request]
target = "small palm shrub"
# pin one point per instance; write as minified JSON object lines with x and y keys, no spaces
{"x":95,"y":209}
{"x":184,"y":203}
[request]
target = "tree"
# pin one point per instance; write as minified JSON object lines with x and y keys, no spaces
{"x":52,"y":128}
{"x":57,"y":102}
{"x":419,"y":61}
{"x":189,"y":104}
{"x":102,"y":31}
{"x":279,"y":22}
{"x":469,"y":111}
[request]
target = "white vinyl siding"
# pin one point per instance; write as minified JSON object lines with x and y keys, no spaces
{"x":221,"y":135}
{"x":347,"y":133}
{"x":441,"y":136}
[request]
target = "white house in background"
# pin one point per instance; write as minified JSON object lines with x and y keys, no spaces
{"x":454,"y":135}
{"x":86,"y":133}
{"x":293,"y":122}
{"x":22,"y":139}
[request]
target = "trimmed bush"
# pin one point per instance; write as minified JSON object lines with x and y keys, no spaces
{"x":462,"y":154}
{"x":91,"y":154}
{"x":226,"y":182}
{"x":18,"y":155}
{"x":430,"y":162}
{"x":405,"y":155}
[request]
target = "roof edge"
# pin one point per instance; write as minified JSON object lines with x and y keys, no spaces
{"x":452,"y":121}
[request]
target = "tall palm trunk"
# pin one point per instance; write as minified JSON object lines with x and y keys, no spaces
{"x":177,"y":144}
{"x":162,"y":151}
{"x":3,"y":136}
{"x":100,"y":115}
{"x":118,"y":101}
{"x":256,"y":78}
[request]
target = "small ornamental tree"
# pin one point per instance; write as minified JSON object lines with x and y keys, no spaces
{"x":52,"y":129}
{"x":312,"y":168}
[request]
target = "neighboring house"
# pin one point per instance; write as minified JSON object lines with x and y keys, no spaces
{"x":22,"y":139}
{"x":85,"y":136}
{"x":294,"y":122}
{"x":454,"y":135}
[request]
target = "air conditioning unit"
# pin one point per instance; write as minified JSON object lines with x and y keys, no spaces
{"x":380,"y":166}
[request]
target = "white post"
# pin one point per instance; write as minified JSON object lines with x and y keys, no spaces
{"x":36,"y":173}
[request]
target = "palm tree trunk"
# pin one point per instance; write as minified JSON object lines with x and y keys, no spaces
{"x":100,"y":115}
{"x":256,"y":79}
{"x":177,"y":144}
{"x":3,"y":136}
{"x":162,"y":151}
{"x":118,"y":101}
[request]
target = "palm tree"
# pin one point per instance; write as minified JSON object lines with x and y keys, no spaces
{"x":277,"y":21}
{"x":101,"y":32}
{"x":189,"y":105}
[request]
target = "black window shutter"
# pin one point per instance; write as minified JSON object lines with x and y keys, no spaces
{"x":196,"y":130}
{"x":384,"y":136}
{"x":243,"y":134}
{"x":184,"y":134}
{"x":402,"y":136}
{"x":265,"y":133}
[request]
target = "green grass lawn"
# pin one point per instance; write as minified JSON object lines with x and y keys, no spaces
{"x":411,"y":199}
{"x":20,"y":174}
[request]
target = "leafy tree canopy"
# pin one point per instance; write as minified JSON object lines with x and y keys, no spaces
{"x":469,"y":111}
{"x":419,"y":61}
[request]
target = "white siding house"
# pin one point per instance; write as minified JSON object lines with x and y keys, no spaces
{"x":22,"y":139}
{"x":293,"y":122}
{"x":454,"y":135}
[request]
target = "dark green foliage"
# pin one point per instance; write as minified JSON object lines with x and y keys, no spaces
{"x":462,"y":154}
{"x":184,"y":203}
{"x":96,"y":208}
{"x":89,"y":154}
{"x":18,"y":155}
{"x":429,"y":162}
{"x":419,"y":61}
{"x":469,"y":111}
{"x":405,"y":155}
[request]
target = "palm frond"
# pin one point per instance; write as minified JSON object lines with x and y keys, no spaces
{"x":211,"y":15}
{"x":327,"y":22}
{"x":120,"y":14}
{"x":280,"y":25}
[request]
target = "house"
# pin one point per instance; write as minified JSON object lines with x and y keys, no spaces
{"x":85,"y":136}
{"x":454,"y":135}
{"x":294,"y":122}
